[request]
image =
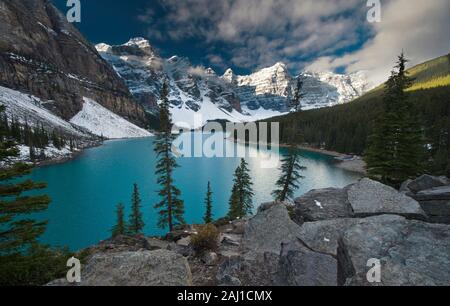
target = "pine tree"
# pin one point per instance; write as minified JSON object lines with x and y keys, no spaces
{"x":135,"y":224}
{"x":120,"y":228}
{"x":18,"y":233}
{"x":396,"y":148}
{"x":208,"y":203}
{"x":290,"y":176}
{"x":298,"y":95}
{"x":234,"y":210}
{"x":241,"y":203}
{"x":171,"y":207}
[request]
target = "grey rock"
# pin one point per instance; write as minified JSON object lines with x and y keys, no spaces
{"x":184,"y":242}
{"x":437,"y":193}
{"x":231,"y":239}
{"x":155,"y":244}
{"x":369,"y":198}
{"x":141,"y":268}
{"x":256,"y":270}
{"x":300,"y":266}
{"x":228,"y":280}
{"x":210,"y":258}
{"x":425,"y":182}
{"x":323,"y":236}
{"x":322,"y":204}
{"x":268,"y":229}
{"x":438,"y":211}
{"x":412,"y":253}
{"x":404,"y":187}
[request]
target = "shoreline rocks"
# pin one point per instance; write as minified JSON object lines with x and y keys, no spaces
{"x":328,"y":241}
{"x":433,"y":195}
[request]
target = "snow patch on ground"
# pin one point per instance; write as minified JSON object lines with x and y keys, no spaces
{"x":102,"y":122}
{"x":29,"y":108}
{"x":50,"y":152}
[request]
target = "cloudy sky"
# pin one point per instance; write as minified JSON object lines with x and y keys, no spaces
{"x":250,"y":34}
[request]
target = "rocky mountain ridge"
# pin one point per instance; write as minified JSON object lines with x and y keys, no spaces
{"x":44,"y":55}
{"x":199,"y":90}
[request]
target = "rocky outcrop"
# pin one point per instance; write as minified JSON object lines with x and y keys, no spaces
{"x":424,"y":182}
{"x":44,"y":55}
{"x":362,"y":199}
{"x":271,"y":253}
{"x":324,"y":204}
{"x":433,"y":195}
{"x":299,"y":266}
{"x":369,"y":198}
{"x":412,"y":253}
{"x":270,"y":249}
{"x":139,"y":268}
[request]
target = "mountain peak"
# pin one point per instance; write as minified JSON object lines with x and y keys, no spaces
{"x":102,"y":47}
{"x":138,"y":41}
{"x":229,"y":75}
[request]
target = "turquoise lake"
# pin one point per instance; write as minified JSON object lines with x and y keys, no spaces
{"x":85,"y":190}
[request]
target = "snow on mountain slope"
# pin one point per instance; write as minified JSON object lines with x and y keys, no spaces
{"x":198,"y":90}
{"x":31,"y":109}
{"x":324,"y":89}
{"x":102,"y":122}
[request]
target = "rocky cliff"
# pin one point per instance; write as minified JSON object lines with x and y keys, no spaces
{"x":44,"y":55}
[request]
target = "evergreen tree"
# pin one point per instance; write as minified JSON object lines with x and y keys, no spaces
{"x":241,"y":203}
{"x":17,"y":233}
{"x":396,"y":148}
{"x":171,"y":207}
{"x":234,"y":210}
{"x":136,"y":224}
{"x":120,"y":228}
{"x":290,"y":176}
{"x":298,"y":95}
{"x":208,"y":203}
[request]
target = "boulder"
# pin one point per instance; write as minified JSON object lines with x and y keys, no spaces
{"x":265,"y":260}
{"x":323,"y":204}
{"x":141,"y":268}
{"x":424,"y":182}
{"x":438,"y":211}
{"x":323,"y":236}
{"x":230,"y":239}
{"x":300,"y":266}
{"x":370,"y":198}
{"x":432,"y":194}
{"x":155,"y":244}
{"x":184,"y":242}
{"x":268,"y":229}
{"x":238,"y":226}
{"x":255,"y":270}
{"x":412,"y":253}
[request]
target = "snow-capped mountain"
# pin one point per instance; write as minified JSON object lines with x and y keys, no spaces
{"x":200,"y":91}
{"x":323,"y":89}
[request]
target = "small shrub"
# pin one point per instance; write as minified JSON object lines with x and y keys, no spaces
{"x":206,"y":239}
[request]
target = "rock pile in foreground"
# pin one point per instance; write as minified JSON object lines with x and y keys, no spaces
{"x":433,"y":194}
{"x":328,"y":239}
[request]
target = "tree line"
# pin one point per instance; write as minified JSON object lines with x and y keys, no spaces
{"x":348,"y":128}
{"x":171,"y":207}
{"x":36,"y":137}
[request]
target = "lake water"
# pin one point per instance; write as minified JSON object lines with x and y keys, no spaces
{"x":85,"y":190}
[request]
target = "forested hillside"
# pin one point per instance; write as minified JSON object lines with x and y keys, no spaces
{"x":344,"y":128}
